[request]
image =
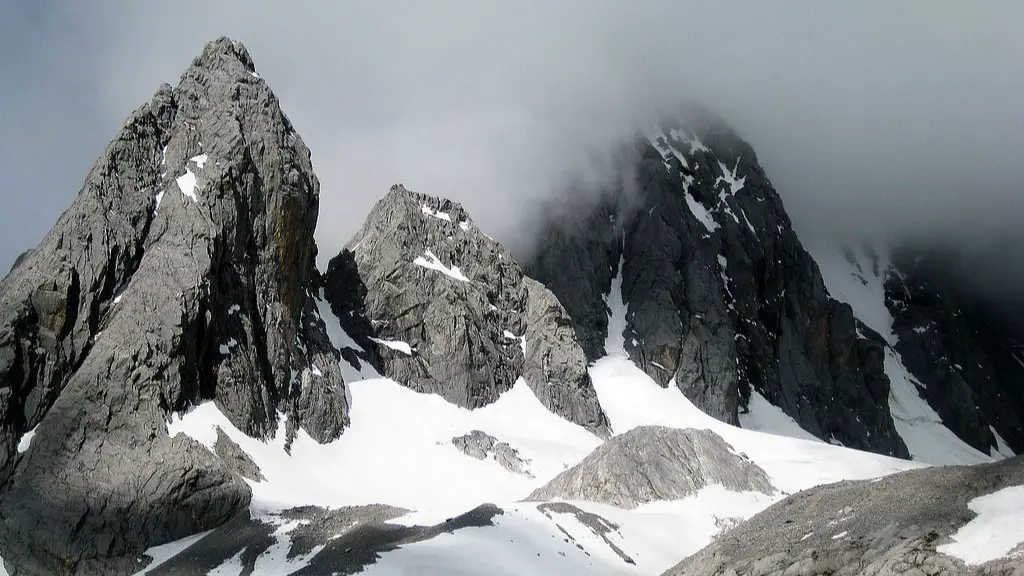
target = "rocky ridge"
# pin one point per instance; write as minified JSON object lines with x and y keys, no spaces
{"x":442,"y":308}
{"x":722,"y":298}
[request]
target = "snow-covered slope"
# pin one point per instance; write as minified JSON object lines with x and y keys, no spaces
{"x":399,"y":451}
{"x":858,"y":278}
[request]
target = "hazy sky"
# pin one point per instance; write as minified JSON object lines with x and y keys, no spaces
{"x":899,"y":118}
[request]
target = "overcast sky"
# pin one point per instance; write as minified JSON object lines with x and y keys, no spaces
{"x":900,"y":118}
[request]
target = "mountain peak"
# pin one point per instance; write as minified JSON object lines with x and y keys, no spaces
{"x":224,"y":53}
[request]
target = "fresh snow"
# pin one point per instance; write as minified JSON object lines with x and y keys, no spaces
{"x":436,"y":213}
{"x":26,"y":440}
{"x":187,"y":184}
{"x":701,"y":213}
{"x":730,"y":177}
{"x":398,"y":345}
{"x":429,"y":260}
{"x":994,"y":533}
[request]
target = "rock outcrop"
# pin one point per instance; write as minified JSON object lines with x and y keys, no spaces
{"x":181,"y":273}
{"x":478,"y":444}
{"x":443,"y":308}
{"x":894,"y":525}
{"x":652,"y":463}
{"x":722,"y":298}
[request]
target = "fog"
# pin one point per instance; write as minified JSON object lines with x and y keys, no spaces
{"x":901,"y":121}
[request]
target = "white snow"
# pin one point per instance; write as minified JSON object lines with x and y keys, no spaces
{"x":397,"y":345}
{"x":615,"y":343}
{"x":26,"y":440}
{"x":731,"y":178}
{"x":422,"y":470}
{"x":341,"y":340}
{"x":464,"y":225}
{"x":225,"y":348}
{"x":159,"y":198}
{"x":763,"y":416}
{"x":187,"y":184}
{"x":200,"y":160}
{"x":436,"y":213}
{"x":994,"y":533}
{"x":165,"y":552}
{"x":701,"y":213}
{"x":429,"y":260}
{"x":235,"y":308}
{"x":1002,"y":448}
{"x":231,"y":567}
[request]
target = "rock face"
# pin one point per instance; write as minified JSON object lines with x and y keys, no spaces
{"x":722,"y":298}
{"x":181,"y":273}
{"x":442,"y":308}
{"x":869,"y":528}
{"x":967,"y":359}
{"x":652,"y":463}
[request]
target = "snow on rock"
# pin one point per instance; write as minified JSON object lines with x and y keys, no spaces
{"x":187,"y":184}
{"x":995,"y":532}
{"x":200,"y":160}
{"x":522,"y":340}
{"x":26,"y":441}
{"x":341,"y":340}
{"x":731,"y":178}
{"x":615,"y":343}
{"x":436,"y":213}
{"x":397,"y":345}
{"x":431,"y":261}
{"x":701,"y":213}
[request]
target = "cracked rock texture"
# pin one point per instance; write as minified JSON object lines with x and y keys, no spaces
{"x":864,"y":528}
{"x":181,"y":273}
{"x":441,"y":307}
{"x":652,"y":463}
{"x":722,"y":298}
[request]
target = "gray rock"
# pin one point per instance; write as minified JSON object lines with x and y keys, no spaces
{"x":722,"y":298}
{"x":478,"y":444}
{"x":235,"y":458}
{"x":443,"y":308}
{"x":865,"y":528}
{"x":152,"y":292}
{"x":655,"y":463}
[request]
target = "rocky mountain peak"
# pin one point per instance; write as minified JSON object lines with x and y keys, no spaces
{"x":180,"y":274}
{"x":439,"y":306}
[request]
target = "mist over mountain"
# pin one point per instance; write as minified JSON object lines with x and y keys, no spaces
{"x":897,"y":122}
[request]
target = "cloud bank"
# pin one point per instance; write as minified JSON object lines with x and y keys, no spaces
{"x":898,"y":120}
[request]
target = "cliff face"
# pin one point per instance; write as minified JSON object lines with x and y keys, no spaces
{"x":183,"y":271}
{"x":722,"y":298}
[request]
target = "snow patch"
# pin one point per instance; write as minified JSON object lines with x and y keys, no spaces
{"x":397,"y":345}
{"x":701,"y":213}
{"x":731,"y":178}
{"x":763,"y":416}
{"x":994,"y":533}
{"x":200,"y":160}
{"x":165,"y":552}
{"x":436,"y":213}
{"x":1002,"y":448}
{"x":429,"y":260}
{"x":187,"y":184}
{"x":25,"y":442}
{"x":615,"y":342}
{"x":522,"y":340}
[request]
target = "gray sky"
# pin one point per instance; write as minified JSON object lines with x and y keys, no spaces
{"x":903,"y":119}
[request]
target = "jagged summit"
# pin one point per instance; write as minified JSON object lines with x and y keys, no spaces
{"x":723,"y":301}
{"x":180,"y":274}
{"x":439,"y":306}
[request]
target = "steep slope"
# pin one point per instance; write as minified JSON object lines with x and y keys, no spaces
{"x":181,"y":272}
{"x":441,"y":307}
{"x":917,"y":522}
{"x":866,"y":279}
{"x":723,"y":301}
